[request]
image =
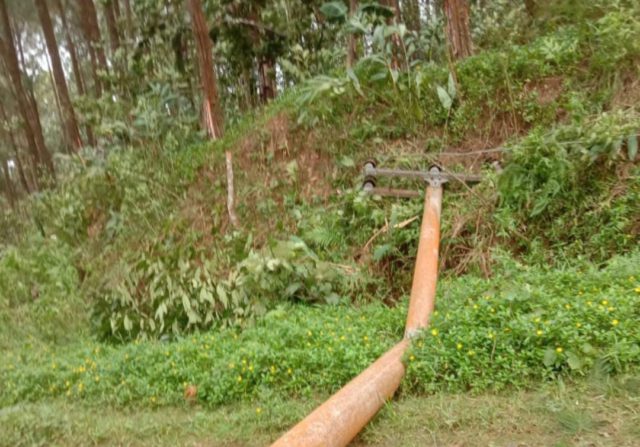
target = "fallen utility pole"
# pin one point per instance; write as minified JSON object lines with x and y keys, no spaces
{"x":337,"y":421}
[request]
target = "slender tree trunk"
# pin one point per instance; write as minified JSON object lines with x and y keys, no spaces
{"x":411,"y":14}
{"x":531,"y":7}
{"x":91,"y":31}
{"x":112,"y":26}
{"x":12,"y":143}
{"x":56,"y":97}
{"x":231,"y":207}
{"x":268,"y":87}
{"x":69,"y":115}
{"x":352,"y":43}
{"x":71,"y":47}
{"x":213,"y":119}
{"x":129,"y":18}
{"x":457,"y":28}
{"x":9,"y":186}
{"x":35,"y":139}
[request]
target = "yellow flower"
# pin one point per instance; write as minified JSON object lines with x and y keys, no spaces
{"x":80,"y":386}
{"x":615,"y":322}
{"x":604,"y":302}
{"x":258,"y":410}
{"x":471,"y":353}
{"x":434,"y":332}
{"x":343,"y":338}
{"x":231,"y":365}
{"x":153,"y":399}
{"x":589,"y":303}
{"x":459,"y":346}
{"x":537,"y":320}
{"x":239,"y":379}
{"x":412,"y":358}
{"x":559,"y":349}
{"x":309,"y":333}
{"x":53,"y":365}
{"x":365,"y":338}
{"x":475,"y":306}
{"x":289,"y":371}
{"x":637,"y":289}
{"x":578,"y":325}
{"x":611,"y":308}
{"x":539,"y":332}
{"x":491,"y":335}
{"x":97,"y":378}
{"x":567,"y":306}
{"x":272,"y":369}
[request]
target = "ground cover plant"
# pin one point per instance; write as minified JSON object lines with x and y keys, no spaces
{"x":525,"y":326}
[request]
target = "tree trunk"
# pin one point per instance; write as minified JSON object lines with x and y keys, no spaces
{"x":352,"y":43}
{"x":71,"y":47}
{"x":129,"y":18}
{"x":35,"y":139}
{"x":9,"y":186}
{"x":231,"y":207}
{"x":112,"y":26}
{"x":56,"y":97}
{"x":14,"y":147}
{"x":411,"y":14}
{"x":213,"y":119}
{"x":531,"y":7}
{"x":91,"y":31}
{"x":69,"y":115}
{"x":457,"y":28}
{"x":396,"y":47}
{"x":268,"y":87}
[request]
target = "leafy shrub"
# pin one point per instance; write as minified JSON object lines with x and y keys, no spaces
{"x":181,"y":290}
{"x":39,"y":299}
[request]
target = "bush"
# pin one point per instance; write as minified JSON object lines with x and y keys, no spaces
{"x":179,"y":291}
{"x":39,"y":297}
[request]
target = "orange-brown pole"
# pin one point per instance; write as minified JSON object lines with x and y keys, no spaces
{"x":337,"y":421}
{"x":425,"y":275}
{"x":340,"y":419}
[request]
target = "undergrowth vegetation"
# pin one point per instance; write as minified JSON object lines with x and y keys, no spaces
{"x":525,"y":325}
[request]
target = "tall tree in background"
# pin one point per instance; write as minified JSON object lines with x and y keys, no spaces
{"x":112,"y":27}
{"x":33,"y":132}
{"x":69,"y":115}
{"x":352,"y":43}
{"x":212,"y":113}
{"x":91,"y":31}
{"x":457,"y":28}
{"x":8,"y":131}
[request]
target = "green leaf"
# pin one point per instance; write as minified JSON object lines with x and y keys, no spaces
{"x":381,"y":251}
{"x":347,"y":162}
{"x":451,"y":87}
{"x":632,"y":147}
{"x":549,"y":357}
{"x":334,"y":11}
{"x":444,"y":97}
{"x":354,"y":80}
{"x":573,"y":360}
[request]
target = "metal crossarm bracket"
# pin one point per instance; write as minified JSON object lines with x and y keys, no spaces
{"x":435,"y":177}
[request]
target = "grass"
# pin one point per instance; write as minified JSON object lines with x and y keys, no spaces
{"x":584,"y":413}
